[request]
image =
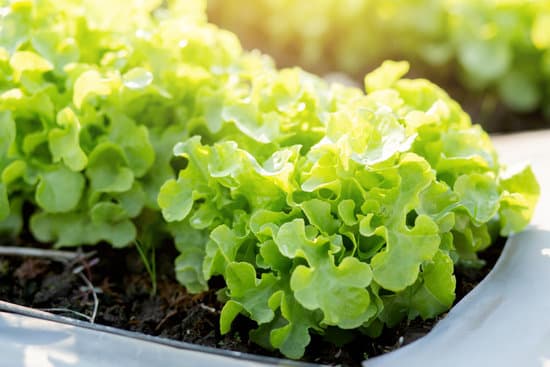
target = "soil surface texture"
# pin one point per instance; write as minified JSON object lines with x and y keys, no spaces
{"x":125,"y":300}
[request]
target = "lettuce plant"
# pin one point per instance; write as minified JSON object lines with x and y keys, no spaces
{"x":319,"y":205}
{"x":92,"y":103}
{"x":358,"y":230}
{"x":497,"y":46}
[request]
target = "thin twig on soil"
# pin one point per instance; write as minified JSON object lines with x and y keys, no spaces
{"x":66,"y":310}
{"x":207,"y":308}
{"x":64,"y":256}
{"x":94,"y":295}
{"x":165,"y":318}
{"x":43,"y":253}
{"x":188,"y":316}
{"x":86,"y":265}
{"x":85,"y":288}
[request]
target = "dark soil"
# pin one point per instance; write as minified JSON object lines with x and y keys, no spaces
{"x":125,"y":301}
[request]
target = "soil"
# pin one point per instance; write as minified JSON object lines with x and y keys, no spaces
{"x":126,"y":301}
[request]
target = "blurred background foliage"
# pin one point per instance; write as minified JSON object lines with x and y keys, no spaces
{"x":491,"y":55}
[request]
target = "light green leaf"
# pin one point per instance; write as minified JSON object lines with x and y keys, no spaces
{"x":77,"y":229}
{"x":7,"y":133}
{"x":188,"y":268}
{"x":4,"y":202}
{"x":15,"y":170}
{"x":134,"y":141}
{"x":230,"y":311}
{"x":338,"y":290}
{"x":246,"y":119}
{"x":398,"y":266}
{"x":319,"y":214}
{"x":271,"y":258}
{"x":479,"y":195}
{"x":265,"y":223}
{"x":132,"y":200}
{"x":188,"y":265}
{"x":59,"y":190}
{"x":346,"y":212}
{"x":436,"y":294}
{"x":119,"y":234}
{"x":213,"y":106}
{"x":64,"y":143}
{"x":107,"y":212}
{"x":110,"y":223}
{"x":518,"y":201}
{"x":221,"y":250}
{"x":55,"y":48}
{"x":249,"y":292}
{"x":22,"y":61}
{"x":12,"y":225}
{"x":66,"y":229}
{"x":88,"y":84}
{"x":292,"y":241}
{"x":386,"y":75}
{"x":291,"y":339}
{"x":137,"y":78}
{"x":108,"y":169}
{"x":386,"y":139}
{"x":176,"y":200}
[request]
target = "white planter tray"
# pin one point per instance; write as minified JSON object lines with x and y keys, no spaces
{"x":504,"y":321}
{"x":31,"y":338}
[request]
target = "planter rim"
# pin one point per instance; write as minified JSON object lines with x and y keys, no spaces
{"x":28,"y":312}
{"x":505,"y":319}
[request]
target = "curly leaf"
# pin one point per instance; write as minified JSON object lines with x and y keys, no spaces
{"x":518,"y":201}
{"x":338,"y":290}
{"x":190,"y":243}
{"x":292,"y":241}
{"x":319,"y":214}
{"x":175,"y":199}
{"x":59,"y":190}
{"x":479,"y":195}
{"x":385,"y":75}
{"x":397,"y":267}
{"x":221,"y":250}
{"x":438,"y":284}
{"x":64,"y":143}
{"x":7,"y":133}
{"x":22,"y":61}
{"x":108,"y":170}
{"x":291,"y":339}
{"x":137,"y":78}
{"x":134,"y":141}
{"x":88,"y":84}
{"x":248,"y":292}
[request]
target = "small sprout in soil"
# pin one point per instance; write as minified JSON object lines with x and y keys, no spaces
{"x":147,"y":255}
